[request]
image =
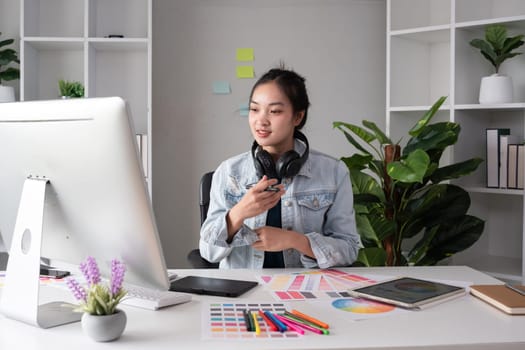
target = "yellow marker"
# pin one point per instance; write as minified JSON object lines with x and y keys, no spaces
{"x":256,"y":323}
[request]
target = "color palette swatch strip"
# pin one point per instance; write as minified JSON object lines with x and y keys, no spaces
{"x":226,"y":321}
{"x":313,"y":284}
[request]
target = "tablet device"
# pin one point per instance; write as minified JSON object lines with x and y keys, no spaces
{"x":410,"y":293}
{"x":212,"y":286}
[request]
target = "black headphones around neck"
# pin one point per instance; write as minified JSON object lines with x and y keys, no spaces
{"x":288,"y":165}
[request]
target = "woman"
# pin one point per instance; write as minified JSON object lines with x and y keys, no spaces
{"x":282,"y":204}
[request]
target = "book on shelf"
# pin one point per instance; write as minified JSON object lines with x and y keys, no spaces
{"x":501,"y":297}
{"x":520,"y":166}
{"x":504,"y":142}
{"x":493,"y":155}
{"x":512,"y":166}
{"x":516,"y":166}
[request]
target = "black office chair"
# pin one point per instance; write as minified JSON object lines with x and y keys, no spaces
{"x":194,"y":257}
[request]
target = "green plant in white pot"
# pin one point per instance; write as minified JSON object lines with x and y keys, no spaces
{"x":70,"y":89}
{"x":8,"y":56}
{"x":497,"y":47}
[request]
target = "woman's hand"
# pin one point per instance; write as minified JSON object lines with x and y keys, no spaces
{"x":274,"y":239}
{"x":253,"y":203}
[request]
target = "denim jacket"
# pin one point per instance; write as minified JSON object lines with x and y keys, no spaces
{"x":318,"y":202}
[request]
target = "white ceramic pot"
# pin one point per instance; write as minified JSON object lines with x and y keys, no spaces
{"x":496,"y":88}
{"x":7,"y":93}
{"x":106,"y":327}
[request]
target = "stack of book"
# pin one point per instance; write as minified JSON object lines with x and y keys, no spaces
{"x":505,"y":159}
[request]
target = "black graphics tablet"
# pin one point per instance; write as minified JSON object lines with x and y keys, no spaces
{"x":212,"y":286}
{"x":409,"y":292}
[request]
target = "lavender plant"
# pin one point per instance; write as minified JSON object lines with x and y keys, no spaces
{"x":98,"y":299}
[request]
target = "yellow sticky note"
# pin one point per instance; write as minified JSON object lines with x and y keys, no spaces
{"x":245,"y":72}
{"x":244,"y":54}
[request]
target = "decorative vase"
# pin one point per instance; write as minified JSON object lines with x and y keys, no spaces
{"x":104,"y":328}
{"x":496,"y":88}
{"x":7,"y":93}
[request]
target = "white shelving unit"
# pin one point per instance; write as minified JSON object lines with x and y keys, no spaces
{"x":428,"y":56}
{"x":68,"y":39}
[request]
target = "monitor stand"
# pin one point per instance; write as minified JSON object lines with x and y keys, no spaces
{"x":21,"y":291}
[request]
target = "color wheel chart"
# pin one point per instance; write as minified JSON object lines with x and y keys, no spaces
{"x":226,"y":321}
{"x":314,"y":284}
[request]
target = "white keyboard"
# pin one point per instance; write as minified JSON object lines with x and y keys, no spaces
{"x":154,"y":299}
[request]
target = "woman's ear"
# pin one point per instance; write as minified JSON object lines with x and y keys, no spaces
{"x":298,"y":118}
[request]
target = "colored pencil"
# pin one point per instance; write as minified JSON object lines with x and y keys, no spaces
{"x":289,"y":324}
{"x":256,"y":323}
{"x":248,"y":321}
{"x":269,"y":322}
{"x":306,"y":326}
{"x":310,"y":319}
{"x":281,"y":326}
{"x":302,"y":320}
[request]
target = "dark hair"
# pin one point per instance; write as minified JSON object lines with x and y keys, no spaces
{"x":292,"y":85}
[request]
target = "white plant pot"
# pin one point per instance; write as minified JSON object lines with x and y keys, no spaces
{"x":7,"y":93}
{"x":496,"y":88}
{"x":104,"y":328}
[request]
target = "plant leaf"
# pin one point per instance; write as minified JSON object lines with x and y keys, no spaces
{"x":381,"y":137}
{"x":456,"y":170}
{"x":373,"y":256}
{"x":416,"y":129}
{"x":452,"y":237}
{"x":410,"y":169}
{"x":495,"y":35}
{"x":360,"y":132}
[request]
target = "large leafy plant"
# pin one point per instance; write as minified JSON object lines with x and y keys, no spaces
{"x":401,"y":195}
{"x":8,"y":56}
{"x":497,"y":46}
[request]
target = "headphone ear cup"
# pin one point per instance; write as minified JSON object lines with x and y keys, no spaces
{"x":266,"y":163}
{"x":288,"y":164}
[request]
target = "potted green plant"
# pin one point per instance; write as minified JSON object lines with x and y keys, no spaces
{"x":8,"y":56}
{"x":497,"y":47}
{"x":70,"y":89}
{"x":405,"y":194}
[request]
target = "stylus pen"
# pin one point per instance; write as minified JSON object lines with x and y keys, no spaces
{"x":517,"y":290}
{"x":268,"y":189}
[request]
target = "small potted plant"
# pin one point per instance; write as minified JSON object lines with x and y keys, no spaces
{"x":102,"y":320}
{"x":497,"y":47}
{"x":70,"y":89}
{"x":8,"y":56}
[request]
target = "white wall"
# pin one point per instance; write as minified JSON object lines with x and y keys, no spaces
{"x":338,"y":45}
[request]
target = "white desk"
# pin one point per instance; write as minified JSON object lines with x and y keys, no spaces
{"x":465,"y":323}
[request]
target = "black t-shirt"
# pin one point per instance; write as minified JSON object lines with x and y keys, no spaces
{"x":274,"y":259}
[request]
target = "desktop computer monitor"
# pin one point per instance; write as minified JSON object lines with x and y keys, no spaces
{"x":96,"y":201}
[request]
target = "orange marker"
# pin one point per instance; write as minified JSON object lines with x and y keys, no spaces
{"x":310,"y":319}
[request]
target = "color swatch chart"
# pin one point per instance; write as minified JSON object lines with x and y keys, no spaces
{"x":43,"y":280}
{"x":314,"y":284}
{"x":226,"y":321}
